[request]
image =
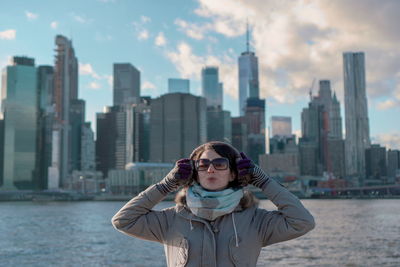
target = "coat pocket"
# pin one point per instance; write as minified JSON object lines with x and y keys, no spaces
{"x":238,"y":253}
{"x":182,"y":253}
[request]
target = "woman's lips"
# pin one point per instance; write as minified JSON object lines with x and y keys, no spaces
{"x":211,"y":179}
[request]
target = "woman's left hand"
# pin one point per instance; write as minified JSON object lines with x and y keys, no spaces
{"x":250,"y":172}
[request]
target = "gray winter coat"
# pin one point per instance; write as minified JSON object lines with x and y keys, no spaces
{"x":234,"y":239}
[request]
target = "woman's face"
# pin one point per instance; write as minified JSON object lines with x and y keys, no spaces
{"x":212,"y":179}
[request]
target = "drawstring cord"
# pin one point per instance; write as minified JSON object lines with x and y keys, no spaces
{"x":234,"y":228}
{"x":191,"y":225}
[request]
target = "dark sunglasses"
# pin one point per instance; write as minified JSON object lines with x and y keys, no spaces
{"x":218,"y":163}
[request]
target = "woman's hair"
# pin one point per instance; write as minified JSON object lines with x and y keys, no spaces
{"x":224,"y":150}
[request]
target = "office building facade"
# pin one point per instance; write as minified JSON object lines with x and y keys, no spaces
{"x":65,"y":90}
{"x":178,"y":85}
{"x":178,"y":125}
{"x":211,"y":87}
{"x":20,"y":109}
{"x":126,"y":84}
{"x":356,"y":112}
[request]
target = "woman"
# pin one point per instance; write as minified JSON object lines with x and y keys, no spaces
{"x":214,"y":222}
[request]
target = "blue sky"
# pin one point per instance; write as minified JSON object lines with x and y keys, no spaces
{"x":295,"y":41}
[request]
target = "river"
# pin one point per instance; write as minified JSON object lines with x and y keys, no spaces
{"x":348,"y":233}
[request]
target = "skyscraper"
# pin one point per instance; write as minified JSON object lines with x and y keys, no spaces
{"x":178,"y":86}
{"x":255,"y":120}
{"x":211,"y":87}
{"x":248,"y":77}
{"x":77,"y":121}
{"x":20,"y":108}
{"x":178,"y":125}
{"x":321,"y":130}
{"x":65,"y":90}
{"x":106,"y":136}
{"x":46,"y":115}
{"x":356,"y":113}
{"x":87,"y":148}
{"x":126,"y":84}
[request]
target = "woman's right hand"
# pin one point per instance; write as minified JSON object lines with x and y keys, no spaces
{"x":178,"y":176}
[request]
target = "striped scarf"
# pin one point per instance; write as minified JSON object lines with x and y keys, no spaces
{"x":210,"y":205}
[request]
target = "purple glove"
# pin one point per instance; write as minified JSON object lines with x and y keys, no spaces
{"x":254,"y":175}
{"x":177,"y":177}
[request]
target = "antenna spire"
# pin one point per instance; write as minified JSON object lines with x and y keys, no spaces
{"x":247,"y":36}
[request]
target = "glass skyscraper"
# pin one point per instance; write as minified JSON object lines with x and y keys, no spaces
{"x":356,"y":113}
{"x":248,"y":77}
{"x":178,"y":86}
{"x":211,"y":87}
{"x":65,"y":90}
{"x":126,"y":84}
{"x":20,"y":106}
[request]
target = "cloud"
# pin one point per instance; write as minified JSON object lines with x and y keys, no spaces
{"x":296,"y":41}
{"x":160,"y":39}
{"x":31,"y":16}
{"x":388,"y":104}
{"x":8,"y":34}
{"x":103,"y":37}
{"x":80,"y":18}
{"x":193,"y":30}
{"x":110,"y":79}
{"x":87,"y":69}
{"x":389,"y":140}
{"x":148,"y":85}
{"x":94,"y":85}
{"x":189,"y":66}
{"x":145,"y":19}
{"x":143,"y":35}
{"x":54,"y":24}
{"x":141,"y":32}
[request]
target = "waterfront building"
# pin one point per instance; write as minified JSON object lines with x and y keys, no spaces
{"x":255,"y":120}
{"x":77,"y":120}
{"x":283,"y":158}
{"x":45,"y":82}
{"x":178,"y":86}
{"x":219,"y":125}
{"x":106,"y":135}
{"x":65,"y":90}
{"x":321,"y":124}
{"x":393,"y":168}
{"x":1,"y":149}
{"x":126,"y":87}
{"x":281,"y":126}
{"x":239,"y":133}
{"x":20,"y":109}
{"x":178,"y":125}
{"x":356,"y":113}
{"x":211,"y":87}
{"x":248,"y":77}
{"x":309,"y":158}
{"x":88,"y":147}
{"x":336,"y":155}
{"x":136,"y":177}
{"x":375,"y":162}
{"x":138,"y":131}
{"x":335,"y":120}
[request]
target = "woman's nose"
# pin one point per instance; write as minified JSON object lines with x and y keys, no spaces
{"x":211,"y":168}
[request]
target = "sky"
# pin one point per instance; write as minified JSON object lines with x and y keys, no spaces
{"x":296,"y":42}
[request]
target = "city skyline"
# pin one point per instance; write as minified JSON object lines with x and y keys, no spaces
{"x":179,"y":44}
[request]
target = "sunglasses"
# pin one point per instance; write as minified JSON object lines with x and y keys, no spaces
{"x":218,"y":164}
